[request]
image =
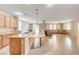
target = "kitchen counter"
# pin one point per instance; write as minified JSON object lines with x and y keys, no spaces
{"x":9,"y":33}
{"x":21,"y":43}
{"x":20,"y":35}
{"x":4,"y":38}
{"x":17,"y":43}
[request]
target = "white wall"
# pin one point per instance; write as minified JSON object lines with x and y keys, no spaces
{"x":23,"y":26}
{"x":4,"y":13}
{"x":67,"y":26}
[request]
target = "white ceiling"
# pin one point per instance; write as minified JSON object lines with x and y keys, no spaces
{"x":58,"y":12}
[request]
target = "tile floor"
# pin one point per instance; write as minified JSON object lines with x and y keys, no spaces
{"x":58,"y":45}
{"x":4,"y":51}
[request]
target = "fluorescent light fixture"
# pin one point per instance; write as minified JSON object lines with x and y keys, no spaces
{"x":49,"y":5}
{"x":61,"y":21}
{"x":22,"y":19}
{"x":18,"y":13}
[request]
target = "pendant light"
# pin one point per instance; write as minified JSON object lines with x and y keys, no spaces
{"x":37,"y":25}
{"x":36,"y":15}
{"x":37,"y":35}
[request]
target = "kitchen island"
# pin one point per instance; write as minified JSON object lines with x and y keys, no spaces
{"x":17,"y":43}
{"x":20,"y":44}
{"x":4,"y":39}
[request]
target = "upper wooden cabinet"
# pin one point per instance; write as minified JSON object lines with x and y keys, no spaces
{"x":9,"y":22}
{"x":13,"y":23}
{"x":2,"y":18}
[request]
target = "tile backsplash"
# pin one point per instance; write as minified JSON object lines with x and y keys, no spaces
{"x":6,"y":30}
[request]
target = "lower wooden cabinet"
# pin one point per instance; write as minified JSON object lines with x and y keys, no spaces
{"x":43,"y":41}
{"x":5,"y":40}
{"x":15,"y":46}
{"x":1,"y":41}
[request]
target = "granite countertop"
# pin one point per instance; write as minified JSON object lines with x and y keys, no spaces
{"x":38,"y":36}
{"x":8,"y":33}
{"x":21,"y":35}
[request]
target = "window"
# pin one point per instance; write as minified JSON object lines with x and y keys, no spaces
{"x":50,"y":26}
{"x":67,"y":26}
{"x":54,"y":26}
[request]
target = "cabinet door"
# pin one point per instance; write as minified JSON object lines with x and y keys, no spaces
{"x":2,"y":18}
{"x":5,"y":40}
{"x":15,"y":46}
{"x":13,"y":23}
{"x":1,"y":41}
{"x":8,"y":22}
{"x":43,"y":41}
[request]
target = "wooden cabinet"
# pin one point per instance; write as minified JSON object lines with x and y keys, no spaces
{"x":2,"y":21}
{"x":15,"y":46}
{"x":1,"y":41}
{"x":13,"y":23}
{"x":5,"y":40}
{"x":8,"y":22}
{"x":43,"y":41}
